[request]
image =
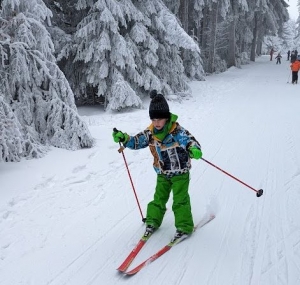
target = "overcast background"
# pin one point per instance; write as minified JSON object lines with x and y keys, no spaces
{"x":293,"y":10}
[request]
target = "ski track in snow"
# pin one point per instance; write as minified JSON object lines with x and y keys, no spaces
{"x":77,"y":228}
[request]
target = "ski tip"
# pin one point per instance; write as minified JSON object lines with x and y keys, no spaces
{"x":123,"y":268}
{"x":212,"y":216}
{"x":134,"y":270}
{"x":129,"y":273}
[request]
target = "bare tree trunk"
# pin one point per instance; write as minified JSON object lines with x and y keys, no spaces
{"x":231,"y":44}
{"x":231,"y":60}
{"x":184,"y":14}
{"x":203,"y":38}
{"x":213,"y":34}
{"x":260,"y":37}
{"x":253,"y":44}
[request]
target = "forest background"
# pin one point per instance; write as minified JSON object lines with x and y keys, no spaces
{"x":56,"y":55}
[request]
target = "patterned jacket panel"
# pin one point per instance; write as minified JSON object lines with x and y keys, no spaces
{"x":171,"y":155}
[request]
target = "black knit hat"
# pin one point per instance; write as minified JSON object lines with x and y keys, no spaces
{"x":159,"y":108}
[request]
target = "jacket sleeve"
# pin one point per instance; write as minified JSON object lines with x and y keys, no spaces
{"x":186,"y":139}
{"x":140,"y":140}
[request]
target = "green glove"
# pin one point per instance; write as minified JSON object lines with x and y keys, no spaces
{"x":120,"y":137}
{"x":195,"y":152}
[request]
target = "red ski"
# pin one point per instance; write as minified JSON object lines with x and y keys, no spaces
{"x":131,"y":256}
{"x":166,"y":248}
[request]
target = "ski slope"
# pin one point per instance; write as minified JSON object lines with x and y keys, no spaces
{"x":71,"y":217}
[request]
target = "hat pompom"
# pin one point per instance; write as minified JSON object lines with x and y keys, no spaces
{"x":153,"y":94}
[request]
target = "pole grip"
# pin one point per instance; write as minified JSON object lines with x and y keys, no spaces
{"x":121,"y":146}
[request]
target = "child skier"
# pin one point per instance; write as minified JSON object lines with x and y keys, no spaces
{"x":172,"y":147}
{"x":278,"y":57}
{"x":295,"y":66}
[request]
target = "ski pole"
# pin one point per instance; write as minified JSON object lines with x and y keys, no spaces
{"x":258,"y":192}
{"x":120,"y":150}
{"x":289,"y":77}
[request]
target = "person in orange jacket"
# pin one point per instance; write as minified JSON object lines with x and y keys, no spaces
{"x":295,"y":66}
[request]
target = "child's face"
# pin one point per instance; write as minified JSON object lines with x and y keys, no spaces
{"x":159,"y":123}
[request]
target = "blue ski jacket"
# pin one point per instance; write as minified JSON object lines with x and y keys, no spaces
{"x":171,"y":154}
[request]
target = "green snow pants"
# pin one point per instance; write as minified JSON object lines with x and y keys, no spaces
{"x":181,"y":207}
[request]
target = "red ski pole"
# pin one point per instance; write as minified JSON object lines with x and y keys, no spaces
{"x":258,"y":192}
{"x":120,"y":150}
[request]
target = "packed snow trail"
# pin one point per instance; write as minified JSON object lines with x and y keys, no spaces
{"x":71,"y":217}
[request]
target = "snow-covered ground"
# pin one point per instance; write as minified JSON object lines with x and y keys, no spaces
{"x":71,"y":217}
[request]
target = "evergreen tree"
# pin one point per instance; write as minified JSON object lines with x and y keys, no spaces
{"x":267,"y":17}
{"x":126,"y":48}
{"x":36,"y":99}
{"x":10,"y":136}
{"x":289,"y":35}
{"x":227,"y":30}
{"x":298,"y":24}
{"x":172,"y":39}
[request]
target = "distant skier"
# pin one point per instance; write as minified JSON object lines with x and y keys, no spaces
{"x":293,"y":56}
{"x":278,"y":57}
{"x":295,"y":66}
{"x":172,"y":147}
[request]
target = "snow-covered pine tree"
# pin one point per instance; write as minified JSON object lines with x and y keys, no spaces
{"x":178,"y":54}
{"x":227,"y":30}
{"x":126,"y":48}
{"x":35,"y":96}
{"x":297,"y":38}
{"x":265,"y":18}
{"x":284,"y":41}
{"x":100,"y":49}
{"x":10,"y":136}
{"x":288,"y":35}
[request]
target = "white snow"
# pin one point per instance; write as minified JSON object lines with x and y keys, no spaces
{"x":71,"y":217}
